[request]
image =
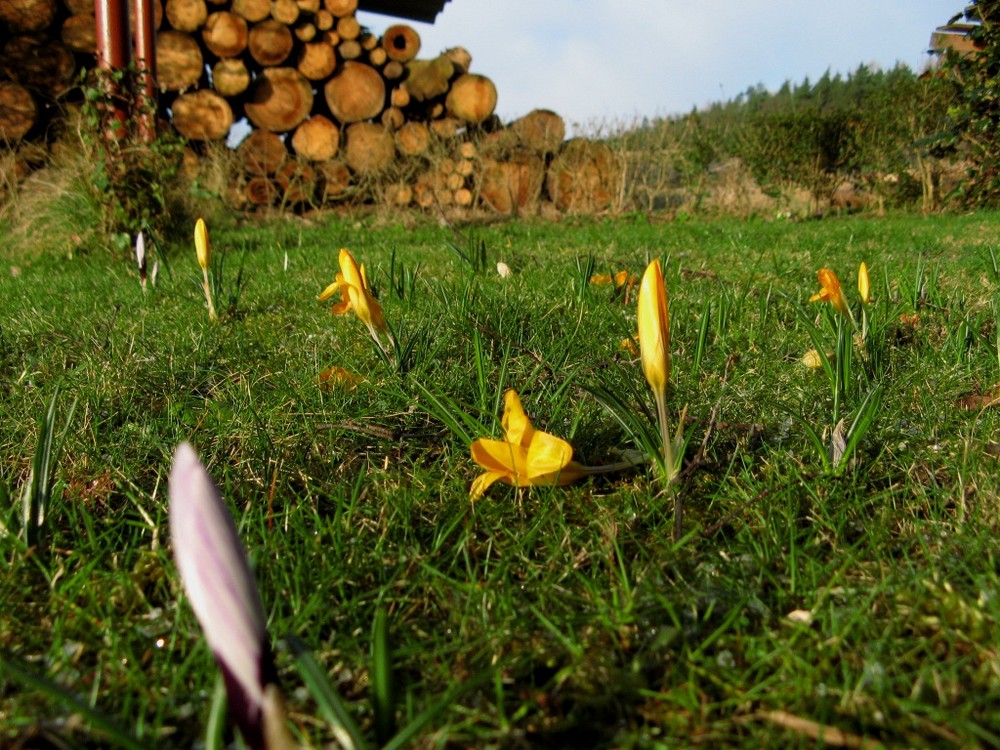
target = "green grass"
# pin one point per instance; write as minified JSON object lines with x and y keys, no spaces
{"x":599,"y":628}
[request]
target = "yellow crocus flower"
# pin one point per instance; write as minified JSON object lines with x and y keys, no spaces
{"x":830,"y":291}
{"x":526,"y":457}
{"x":352,"y":282}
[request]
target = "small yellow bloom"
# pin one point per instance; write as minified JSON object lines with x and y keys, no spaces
{"x":629,"y":345}
{"x":355,"y":294}
{"x":864,"y":283}
{"x":526,"y":457}
{"x":830,"y":291}
{"x":620,"y":279}
{"x":654,"y":329}
{"x":201,"y":244}
{"x":332,"y":377}
{"x":812,"y":359}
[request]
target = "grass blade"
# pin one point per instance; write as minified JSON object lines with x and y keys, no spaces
{"x":114,"y":733}
{"x":330,"y":705}
{"x":37,"y":491}
{"x":428,"y":715}
{"x":216,"y":715}
{"x":383,"y":700}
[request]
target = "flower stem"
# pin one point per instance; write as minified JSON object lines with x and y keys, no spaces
{"x":611,"y":468}
{"x":208,"y":294}
{"x":670,"y":464}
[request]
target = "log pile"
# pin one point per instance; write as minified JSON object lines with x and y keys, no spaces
{"x":333,"y":111}
{"x":40,"y":55}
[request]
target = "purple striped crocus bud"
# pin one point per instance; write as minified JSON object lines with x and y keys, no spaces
{"x":221,"y":588}
{"x":140,"y":257}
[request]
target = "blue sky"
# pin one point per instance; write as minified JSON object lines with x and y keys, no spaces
{"x":608,"y":62}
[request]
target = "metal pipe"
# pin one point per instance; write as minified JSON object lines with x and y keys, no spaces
{"x":145,"y":61}
{"x":112,"y":55}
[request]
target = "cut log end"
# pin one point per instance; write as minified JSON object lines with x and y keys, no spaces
{"x":18,"y":111}
{"x":401,"y":42}
{"x":281,"y":99}
{"x":472,"y":98}
{"x":355,"y":93}
{"x":202,"y":115}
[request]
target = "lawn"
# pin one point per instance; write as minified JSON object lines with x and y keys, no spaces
{"x":854,"y":603}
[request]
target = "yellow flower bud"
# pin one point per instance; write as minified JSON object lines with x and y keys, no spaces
{"x":201,"y":245}
{"x":654,"y":328}
{"x":864,"y":284}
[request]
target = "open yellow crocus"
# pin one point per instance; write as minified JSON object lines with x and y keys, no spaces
{"x":355,"y":295}
{"x":526,"y":457}
{"x":830,"y":291}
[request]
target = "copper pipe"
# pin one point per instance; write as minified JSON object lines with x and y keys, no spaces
{"x":145,"y":61}
{"x":112,"y":56}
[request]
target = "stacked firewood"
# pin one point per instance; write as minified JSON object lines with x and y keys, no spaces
{"x":333,"y":111}
{"x":329,"y":104}
{"x":40,"y":55}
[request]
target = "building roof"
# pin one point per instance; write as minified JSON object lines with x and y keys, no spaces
{"x":415,"y":10}
{"x":954,"y":36}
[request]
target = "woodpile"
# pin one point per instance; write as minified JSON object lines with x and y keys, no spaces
{"x":333,"y":111}
{"x":40,"y":46}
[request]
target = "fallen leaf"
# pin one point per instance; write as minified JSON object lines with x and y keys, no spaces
{"x":838,"y":444}
{"x":977,"y":401}
{"x":828,"y":735}
{"x":800,"y":616}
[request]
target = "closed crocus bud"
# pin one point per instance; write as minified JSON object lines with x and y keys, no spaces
{"x":654,"y":328}
{"x":140,"y":254}
{"x":220,"y":586}
{"x":201,"y":245}
{"x":864,"y":283}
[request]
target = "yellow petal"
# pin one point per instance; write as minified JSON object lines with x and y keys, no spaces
{"x":482,"y":483}
{"x":600,"y":279}
{"x":567,"y":474}
{"x":495,"y":455}
{"x":654,"y":328}
{"x":516,"y":425}
{"x":349,"y":269}
{"x":547,"y":454}
{"x":864,"y":283}
{"x":359,"y":303}
{"x":201,"y":245}
{"x":375,"y":309}
{"x":329,"y":291}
